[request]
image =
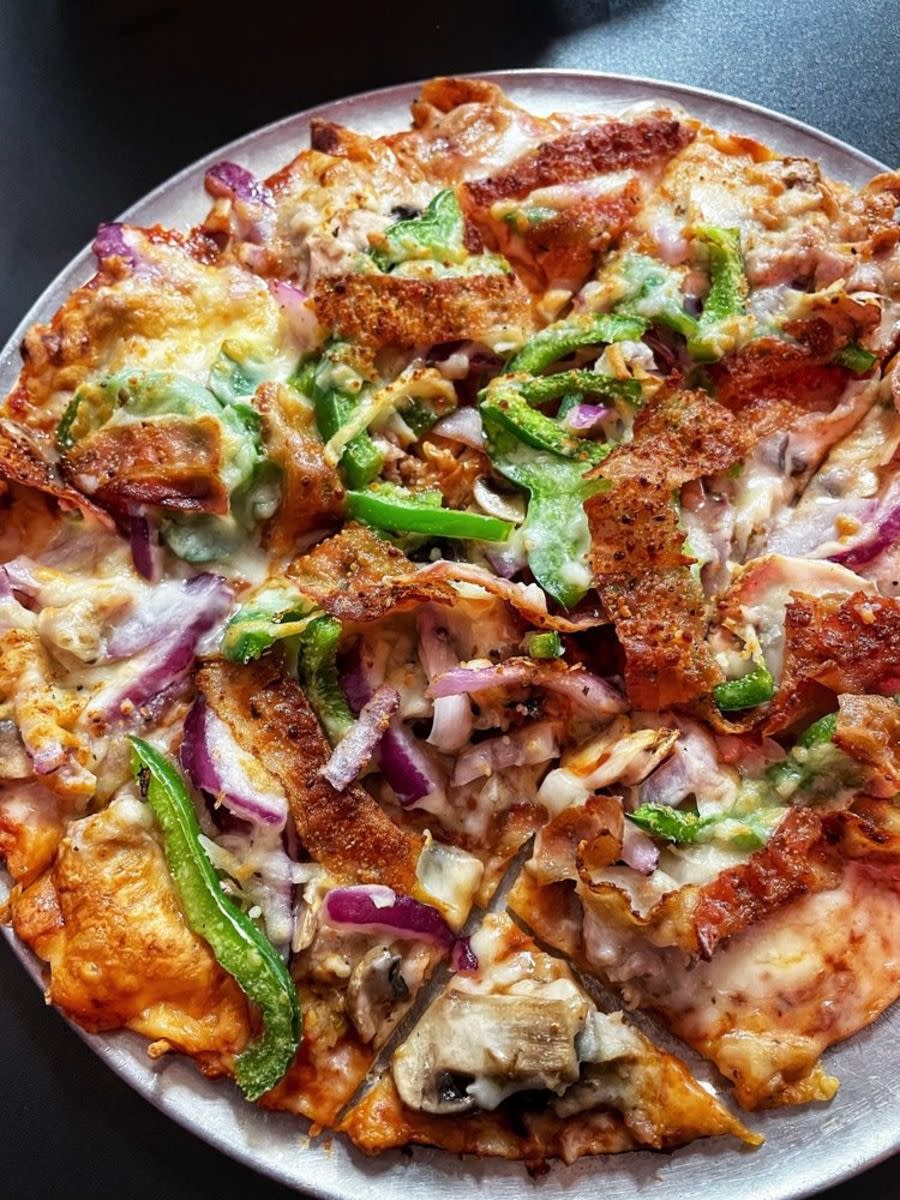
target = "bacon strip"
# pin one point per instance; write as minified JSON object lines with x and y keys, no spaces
{"x":389,"y":310}
{"x":637,"y":554}
{"x":868,"y":729}
{"x":20,"y":462}
{"x":347,"y":832}
{"x":834,"y":646}
{"x":172,"y":463}
{"x":562,"y":250}
{"x":770,"y":383}
{"x":356,"y":576}
{"x":311,"y":493}
{"x":807,"y":853}
{"x":612,"y":146}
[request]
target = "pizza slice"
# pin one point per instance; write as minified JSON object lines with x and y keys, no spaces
{"x":515,"y":1060}
{"x":761,"y":915}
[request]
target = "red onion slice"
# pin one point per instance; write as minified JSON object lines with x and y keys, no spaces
{"x":452,"y":720}
{"x":526,"y":598}
{"x":400,"y":757}
{"x":211,"y":757}
{"x":638,"y":851}
{"x":354,"y":750}
{"x":528,"y":746}
{"x":234,"y":182}
{"x":146,"y":553}
{"x":582,"y":687}
{"x":462,"y":425}
{"x":462,"y":956}
{"x":371,"y":908}
{"x":885,"y":534}
{"x":407,"y":768}
{"x":110,"y":243}
{"x":586,"y":418}
{"x":166,"y":611}
{"x":298,"y":313}
{"x":166,"y":663}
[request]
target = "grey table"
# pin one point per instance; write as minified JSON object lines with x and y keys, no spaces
{"x":98,"y":106}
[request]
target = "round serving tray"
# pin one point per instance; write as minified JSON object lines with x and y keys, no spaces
{"x":806,"y":1148}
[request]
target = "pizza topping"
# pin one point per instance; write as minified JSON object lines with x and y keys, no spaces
{"x":163,"y":665}
{"x":582,"y":687}
{"x":574,"y":333}
{"x":356,"y":747}
{"x":377,"y":909}
{"x":579,"y":155}
{"x":867,"y":728}
{"x":376,"y":310}
{"x":756,"y":687}
{"x":157,"y":438}
{"x":386,"y":506}
{"x":727,"y":294}
{"x":236,"y":942}
{"x":215,"y":762}
{"x":835,"y":645}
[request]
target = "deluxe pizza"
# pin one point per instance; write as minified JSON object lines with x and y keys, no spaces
{"x":462,"y":571}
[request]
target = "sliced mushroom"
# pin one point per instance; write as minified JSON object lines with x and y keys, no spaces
{"x":376,"y":985}
{"x":472,"y":1051}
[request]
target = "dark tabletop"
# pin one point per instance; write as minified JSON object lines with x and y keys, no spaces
{"x":100,"y":102}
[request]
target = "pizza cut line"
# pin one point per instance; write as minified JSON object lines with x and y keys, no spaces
{"x":506,"y":494}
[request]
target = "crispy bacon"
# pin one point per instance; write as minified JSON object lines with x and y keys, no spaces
{"x":172,"y":463}
{"x":680,"y":435}
{"x":356,"y":576}
{"x":807,"y":853}
{"x":796,"y":860}
{"x":461,"y":124}
{"x":637,"y":553}
{"x":834,"y":646}
{"x":868,"y":729}
{"x":311,"y":493}
{"x":660,"y":619}
{"x":347,"y":832}
{"x":563,"y":250}
{"x":21,"y":462}
{"x":612,"y":146}
{"x":389,"y":310}
{"x":770,"y":383}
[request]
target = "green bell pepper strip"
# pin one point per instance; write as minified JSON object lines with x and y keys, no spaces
{"x":819,"y":732}
{"x":555,"y":533}
{"x":509,"y":407}
{"x":813,"y":764}
{"x":751,"y":689}
{"x":544,"y":388}
{"x":317,"y":649}
{"x":400,"y":511}
{"x":575,"y":333}
{"x":333,"y":406}
{"x":239,"y":947}
{"x":546,"y":644}
{"x":856,"y":359}
{"x":669,"y":824}
{"x":742,"y":830}
{"x":361,"y":460}
{"x":728,"y":289}
{"x":437,"y":233}
{"x":271,"y":615}
{"x":654,"y":294}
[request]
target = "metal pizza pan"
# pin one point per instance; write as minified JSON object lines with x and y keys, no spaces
{"x":807,"y":1148}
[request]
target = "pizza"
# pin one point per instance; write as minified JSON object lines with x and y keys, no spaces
{"x":450,"y":630}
